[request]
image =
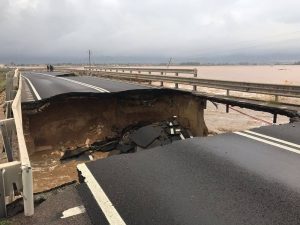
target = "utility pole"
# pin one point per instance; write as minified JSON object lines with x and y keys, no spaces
{"x":90,"y":59}
{"x":170,"y":60}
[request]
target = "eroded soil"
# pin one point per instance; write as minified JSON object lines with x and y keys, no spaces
{"x":65,"y":122}
{"x":50,"y":172}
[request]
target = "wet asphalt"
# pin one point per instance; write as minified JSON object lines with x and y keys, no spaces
{"x":49,"y":84}
{"x":50,"y":211}
{"x":225,"y":179}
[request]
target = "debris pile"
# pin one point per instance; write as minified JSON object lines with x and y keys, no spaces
{"x":135,"y":138}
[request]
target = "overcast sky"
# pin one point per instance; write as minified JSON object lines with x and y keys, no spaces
{"x":66,"y":29}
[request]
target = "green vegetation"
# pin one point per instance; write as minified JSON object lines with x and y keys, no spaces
{"x":4,"y":222}
{"x":2,"y":82}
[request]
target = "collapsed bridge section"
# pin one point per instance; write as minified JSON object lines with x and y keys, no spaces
{"x":77,"y":119}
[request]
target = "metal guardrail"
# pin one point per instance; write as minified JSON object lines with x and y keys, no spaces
{"x":16,"y":173}
{"x":162,"y":71}
{"x":268,"y":89}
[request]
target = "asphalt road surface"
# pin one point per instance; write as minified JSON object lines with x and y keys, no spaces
{"x":51,"y":211}
{"x":249,"y":177}
{"x":39,"y":86}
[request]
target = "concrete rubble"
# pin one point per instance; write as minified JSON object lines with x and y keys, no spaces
{"x":134,"y":138}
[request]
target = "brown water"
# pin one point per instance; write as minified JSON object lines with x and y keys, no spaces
{"x":280,"y":74}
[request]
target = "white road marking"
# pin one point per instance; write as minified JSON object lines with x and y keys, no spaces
{"x":29,"y":95}
{"x":182,"y":137}
{"x":273,"y":139}
{"x":73,"y":211}
{"x":33,"y":88}
{"x":78,"y":82}
{"x":46,"y":74}
{"x":85,"y":84}
{"x":269,"y":142}
{"x":110,"y":212}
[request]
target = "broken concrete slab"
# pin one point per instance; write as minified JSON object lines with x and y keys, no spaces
{"x":104,"y":146}
{"x":126,"y":148}
{"x":144,"y":136}
{"x":74,"y":153}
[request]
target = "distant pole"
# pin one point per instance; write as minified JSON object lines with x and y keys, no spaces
{"x":170,"y":60}
{"x":90,"y":59}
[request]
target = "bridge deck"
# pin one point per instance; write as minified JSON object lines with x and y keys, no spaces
{"x":46,"y":85}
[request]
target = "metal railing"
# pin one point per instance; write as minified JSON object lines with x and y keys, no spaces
{"x":16,"y":173}
{"x":259,"y":88}
{"x":139,"y":70}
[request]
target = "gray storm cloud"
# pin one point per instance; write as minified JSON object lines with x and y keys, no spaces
{"x":190,"y":28}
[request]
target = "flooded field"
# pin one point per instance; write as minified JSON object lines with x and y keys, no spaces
{"x":278,"y":74}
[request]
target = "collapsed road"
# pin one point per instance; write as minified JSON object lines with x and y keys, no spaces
{"x":63,"y":110}
{"x":249,"y":177}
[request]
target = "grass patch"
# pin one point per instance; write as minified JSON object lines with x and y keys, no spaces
{"x":3,"y":82}
{"x":4,"y":222}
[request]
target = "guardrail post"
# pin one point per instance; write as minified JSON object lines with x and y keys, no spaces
{"x":27,"y":190}
{"x":3,"y":212}
{"x":161,"y":83}
{"x":275,"y":118}
{"x":195,"y":73}
{"x":227,"y":106}
{"x":194,"y":87}
{"x":176,"y":84}
{"x":150,"y":82}
{"x":276,"y":98}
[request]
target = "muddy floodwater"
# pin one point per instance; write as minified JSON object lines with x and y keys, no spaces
{"x":278,"y":74}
